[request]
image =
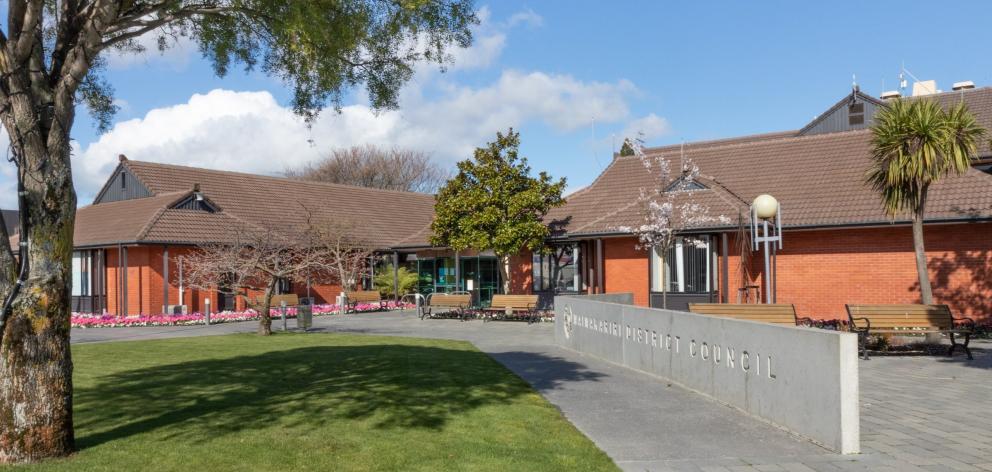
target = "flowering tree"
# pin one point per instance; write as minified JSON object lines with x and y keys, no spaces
{"x":255,"y":259}
{"x":668,"y":207}
{"x":345,"y":256}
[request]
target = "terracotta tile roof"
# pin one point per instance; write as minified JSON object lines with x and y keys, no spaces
{"x":818,"y":179}
{"x":380,"y":216}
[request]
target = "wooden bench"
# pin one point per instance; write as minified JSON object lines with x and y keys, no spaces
{"x":372,"y":297}
{"x":908,"y":319}
{"x":512,"y":307}
{"x":777,"y":313}
{"x":438,"y":304}
{"x":291,"y":299}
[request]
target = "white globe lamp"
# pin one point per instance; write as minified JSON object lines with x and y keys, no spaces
{"x":765,"y":206}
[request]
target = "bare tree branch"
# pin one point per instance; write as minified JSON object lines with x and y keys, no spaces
{"x":375,"y":167}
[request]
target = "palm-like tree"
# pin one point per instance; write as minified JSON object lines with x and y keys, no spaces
{"x":915,"y":144}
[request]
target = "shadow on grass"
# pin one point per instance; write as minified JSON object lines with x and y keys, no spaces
{"x":383,"y":385}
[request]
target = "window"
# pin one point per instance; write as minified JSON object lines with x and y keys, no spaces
{"x":123,"y":180}
{"x":686,"y":269}
{"x":558,"y":270}
{"x":284,"y":286}
{"x":81,"y":270}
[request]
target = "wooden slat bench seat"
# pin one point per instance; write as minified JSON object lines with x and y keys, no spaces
{"x":512,"y":307}
{"x":372,"y":297}
{"x":776,"y":313}
{"x":440,"y":304}
{"x":909,"y":319}
{"x":291,"y":299}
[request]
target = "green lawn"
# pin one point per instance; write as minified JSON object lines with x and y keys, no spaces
{"x":312,"y":402}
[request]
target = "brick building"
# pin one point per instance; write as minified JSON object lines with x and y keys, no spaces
{"x":130,"y":243}
{"x":839,"y":245}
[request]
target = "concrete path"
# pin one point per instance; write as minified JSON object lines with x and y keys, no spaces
{"x":645,"y":424}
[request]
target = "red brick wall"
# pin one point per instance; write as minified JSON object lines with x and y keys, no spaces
{"x":521,"y":274}
{"x":625,"y":268}
{"x":820,"y":271}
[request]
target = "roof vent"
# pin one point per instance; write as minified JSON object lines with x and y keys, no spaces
{"x":890,"y":95}
{"x":925,"y":87}
{"x":967,"y":84}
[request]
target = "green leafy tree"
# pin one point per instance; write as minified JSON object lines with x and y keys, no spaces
{"x":626,"y":149}
{"x":495,"y":204}
{"x":51,"y":58}
{"x":914,"y":145}
{"x":384,"y":281}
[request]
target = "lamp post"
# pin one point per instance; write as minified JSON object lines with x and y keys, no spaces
{"x":769,"y":231}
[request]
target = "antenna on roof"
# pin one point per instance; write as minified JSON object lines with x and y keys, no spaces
{"x":594,"y":156}
{"x":854,"y":82}
{"x":902,"y":77}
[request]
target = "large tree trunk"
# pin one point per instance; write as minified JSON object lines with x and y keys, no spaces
{"x":264,"y":318}
{"x":504,"y":269}
{"x":35,"y":362}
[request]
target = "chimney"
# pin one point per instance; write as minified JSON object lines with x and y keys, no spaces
{"x":891,"y":95}
{"x":925,"y":87}
{"x":964,"y":85}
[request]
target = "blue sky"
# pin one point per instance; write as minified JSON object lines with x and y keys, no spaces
{"x":691,"y":71}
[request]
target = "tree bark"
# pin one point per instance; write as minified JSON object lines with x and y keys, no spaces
{"x":926,"y":291}
{"x":264,"y":318}
{"x":504,"y":268}
{"x":35,"y":361}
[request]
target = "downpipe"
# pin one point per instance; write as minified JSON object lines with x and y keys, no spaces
{"x":22,"y":252}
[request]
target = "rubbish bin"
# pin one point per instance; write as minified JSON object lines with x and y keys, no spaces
{"x":304,"y":317}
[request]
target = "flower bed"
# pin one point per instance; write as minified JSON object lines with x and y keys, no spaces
{"x":90,"y":320}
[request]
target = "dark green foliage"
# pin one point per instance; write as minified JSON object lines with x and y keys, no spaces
{"x":384,"y":281}
{"x":494,"y":203}
{"x":626,"y":149}
{"x":319,"y":48}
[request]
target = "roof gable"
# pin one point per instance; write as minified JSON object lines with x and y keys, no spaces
{"x":122,"y":184}
{"x":854,"y":111}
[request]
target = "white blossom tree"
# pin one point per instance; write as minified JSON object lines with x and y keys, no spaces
{"x":668,"y":207}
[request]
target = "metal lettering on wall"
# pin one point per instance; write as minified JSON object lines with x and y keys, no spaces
{"x":732,"y":357}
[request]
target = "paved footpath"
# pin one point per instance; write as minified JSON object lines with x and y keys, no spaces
{"x":918,"y":413}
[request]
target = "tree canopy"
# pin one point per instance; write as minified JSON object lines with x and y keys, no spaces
{"x":914,"y":145}
{"x":375,"y":167}
{"x":494,"y":203}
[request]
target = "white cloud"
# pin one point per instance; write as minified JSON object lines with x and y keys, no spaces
{"x":652,"y":126}
{"x":525,"y":17}
{"x":251,"y":132}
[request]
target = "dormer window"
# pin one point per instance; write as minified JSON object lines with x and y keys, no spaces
{"x":123,"y":180}
{"x":195,"y":201}
{"x":681,"y":185}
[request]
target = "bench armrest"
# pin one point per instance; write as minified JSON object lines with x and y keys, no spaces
{"x":964,"y":320}
{"x":531,"y":307}
{"x":805,"y":321}
{"x":855,"y":326}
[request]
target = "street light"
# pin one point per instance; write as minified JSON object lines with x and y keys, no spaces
{"x":764,"y":208}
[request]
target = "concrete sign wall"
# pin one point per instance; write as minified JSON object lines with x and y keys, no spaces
{"x":802,"y":379}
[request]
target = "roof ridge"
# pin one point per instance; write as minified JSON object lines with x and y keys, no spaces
{"x":717,"y":142}
{"x":273,"y":177}
{"x":776,"y":140}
